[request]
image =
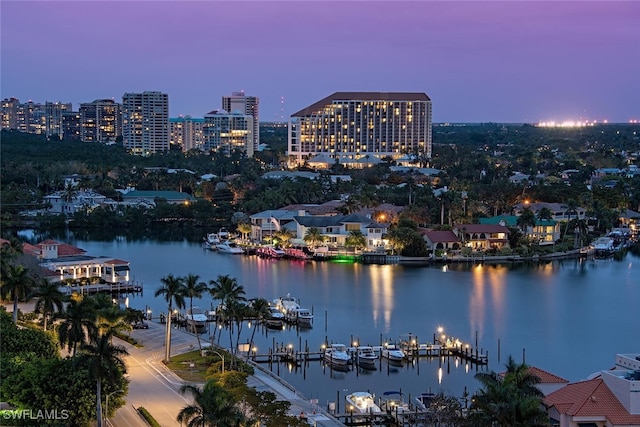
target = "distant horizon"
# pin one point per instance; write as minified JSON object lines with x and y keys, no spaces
{"x":478,"y":61}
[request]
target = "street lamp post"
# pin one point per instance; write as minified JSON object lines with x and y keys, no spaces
{"x":221,"y":357}
{"x":106,"y":410}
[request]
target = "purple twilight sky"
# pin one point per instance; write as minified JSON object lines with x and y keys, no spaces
{"x":508,"y":61}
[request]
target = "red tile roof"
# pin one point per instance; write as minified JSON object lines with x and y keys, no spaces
{"x":546,"y":377}
{"x":117,"y":262}
{"x":441,"y":236}
{"x":63,"y":248}
{"x":28,"y":248}
{"x":591,"y":398}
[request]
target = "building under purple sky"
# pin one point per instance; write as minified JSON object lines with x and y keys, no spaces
{"x":508,"y":61}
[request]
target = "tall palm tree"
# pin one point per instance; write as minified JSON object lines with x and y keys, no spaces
{"x":284,"y":236}
{"x":260,"y":310}
{"x":526,"y":221}
{"x":50,"y":299}
{"x":78,"y":322}
{"x":193,"y":288}
{"x":15,"y":283}
{"x":356,"y":239}
{"x":244,"y":229}
{"x":313,"y":235}
{"x":231,"y":296}
{"x":173,"y":291}
{"x":212,"y":406}
{"x":105,"y":363}
{"x":109,"y":318}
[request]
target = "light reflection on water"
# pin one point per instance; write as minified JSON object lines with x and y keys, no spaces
{"x":569,"y":318}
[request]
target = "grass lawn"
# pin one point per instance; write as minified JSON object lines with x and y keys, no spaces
{"x":181,"y":365}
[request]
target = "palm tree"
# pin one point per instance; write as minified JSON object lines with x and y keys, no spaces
{"x":356,"y":239}
{"x":244,"y":228}
{"x":212,"y":406}
{"x":173,"y":291}
{"x":17,"y":284}
{"x":313,"y":235}
{"x":105,"y":364}
{"x":260,"y":309}
{"x":284,"y":236}
{"x":78,"y":323}
{"x":508,"y":399}
{"x":544,"y":213}
{"x":193,"y":288}
{"x":68,"y":194}
{"x":231,"y":295}
{"x":50,"y":299}
{"x":526,"y":221}
{"x":109,"y":318}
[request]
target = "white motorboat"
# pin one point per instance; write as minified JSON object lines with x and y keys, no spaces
{"x":423,"y":401}
{"x":361,"y":402}
{"x":393,"y":353}
{"x":336,"y":355}
{"x":301,"y":316}
{"x":287,"y":304}
{"x":227,"y":247}
{"x":212,"y":239}
{"x":393,"y":403}
{"x":275,"y":319}
{"x":223,"y":234}
{"x":196,"y":318}
{"x":366,"y":357}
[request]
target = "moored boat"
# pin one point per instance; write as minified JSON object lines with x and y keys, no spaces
{"x":423,"y":401}
{"x":196,"y":319}
{"x":228,"y":247}
{"x":301,"y":316}
{"x":393,"y":403}
{"x":336,"y":355}
{"x":366,"y":357}
{"x":393,"y":353}
{"x":269,"y":252}
{"x":361,"y":402}
{"x":275,"y":320}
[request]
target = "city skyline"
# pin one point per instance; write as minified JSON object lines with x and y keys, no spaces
{"x":478,"y":61}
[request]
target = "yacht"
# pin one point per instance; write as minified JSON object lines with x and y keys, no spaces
{"x":366,"y":357}
{"x":423,"y":401}
{"x":212,"y":239}
{"x":287,"y":304}
{"x":275,"y":320}
{"x":301,"y":316}
{"x":227,"y":247}
{"x":393,"y":403}
{"x":361,"y":402}
{"x":393,"y":353}
{"x":223,"y":234}
{"x":336,"y":355}
{"x":196,"y":319}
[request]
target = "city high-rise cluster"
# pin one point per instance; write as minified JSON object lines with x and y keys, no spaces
{"x":141,"y":122}
{"x":346,"y":127}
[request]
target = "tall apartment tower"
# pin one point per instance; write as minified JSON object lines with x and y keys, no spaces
{"x":349,"y":126}
{"x":53,"y":113}
{"x":226,"y":132}
{"x":10,"y":108}
{"x":145,"y":122}
{"x":100,"y":121}
{"x":247,"y":105}
{"x":187,"y":133}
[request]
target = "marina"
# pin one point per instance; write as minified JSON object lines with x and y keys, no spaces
{"x":528,"y":307}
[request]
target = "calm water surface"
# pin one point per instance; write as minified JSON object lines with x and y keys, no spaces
{"x":569,"y":318}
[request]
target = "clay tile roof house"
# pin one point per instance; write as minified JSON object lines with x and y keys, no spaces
{"x":610,"y":399}
{"x":483,"y":236}
{"x":443,"y":240}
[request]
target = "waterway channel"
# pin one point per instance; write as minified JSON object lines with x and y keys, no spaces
{"x":567,"y":317}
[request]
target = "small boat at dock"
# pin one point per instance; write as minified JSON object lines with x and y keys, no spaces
{"x":366,"y":357}
{"x":361,"y":402}
{"x":393,"y":353}
{"x":337,"y":356}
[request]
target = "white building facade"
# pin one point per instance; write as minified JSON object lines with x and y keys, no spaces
{"x":248,"y":105}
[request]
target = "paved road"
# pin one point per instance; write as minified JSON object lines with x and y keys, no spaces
{"x":154,"y":387}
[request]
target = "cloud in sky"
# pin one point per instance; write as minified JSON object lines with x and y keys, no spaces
{"x":478,"y":61}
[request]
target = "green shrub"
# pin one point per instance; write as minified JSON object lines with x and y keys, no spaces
{"x":147,"y":416}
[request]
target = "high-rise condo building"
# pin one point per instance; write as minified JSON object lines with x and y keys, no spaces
{"x":187,"y":133}
{"x":53,"y":112}
{"x":145,"y":122}
{"x":354,"y":125}
{"x":10,"y":108}
{"x":225,"y":132}
{"x":101,"y":121}
{"x":248,"y":105}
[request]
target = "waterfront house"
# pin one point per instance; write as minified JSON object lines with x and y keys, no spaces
{"x":545,"y":232}
{"x":610,"y":398}
{"x":71,"y":262}
{"x":483,"y":236}
{"x":441,"y":240}
{"x":268,"y":222}
{"x":631,"y":220}
{"x":337,"y":228}
{"x":559,"y":211}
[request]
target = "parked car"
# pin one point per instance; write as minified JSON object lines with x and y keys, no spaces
{"x":140,"y":325}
